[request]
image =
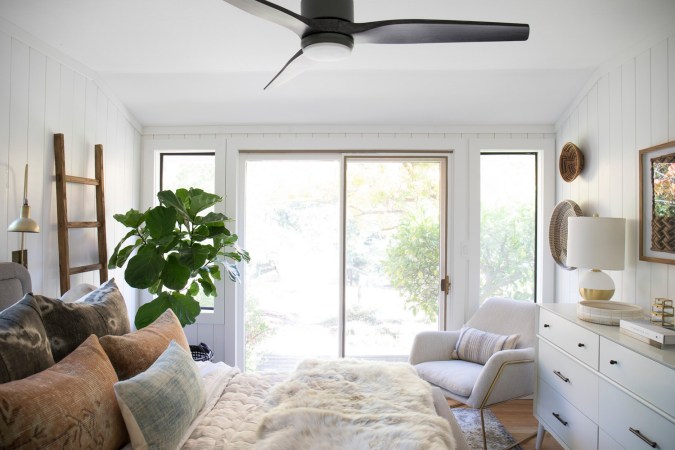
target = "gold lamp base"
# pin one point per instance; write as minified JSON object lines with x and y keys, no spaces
{"x":596,"y":294}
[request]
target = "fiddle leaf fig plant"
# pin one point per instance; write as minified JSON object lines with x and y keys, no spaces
{"x":178,"y":253}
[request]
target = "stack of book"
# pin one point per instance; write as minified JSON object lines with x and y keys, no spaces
{"x":648,"y":332}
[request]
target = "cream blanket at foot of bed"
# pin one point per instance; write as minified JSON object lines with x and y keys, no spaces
{"x":349,"y":404}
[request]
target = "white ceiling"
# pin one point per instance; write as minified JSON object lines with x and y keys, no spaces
{"x":204,"y":62}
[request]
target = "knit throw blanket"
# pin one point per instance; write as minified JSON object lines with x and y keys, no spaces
{"x":351,"y":404}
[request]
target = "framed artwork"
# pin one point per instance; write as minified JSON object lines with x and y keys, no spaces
{"x":657,"y":204}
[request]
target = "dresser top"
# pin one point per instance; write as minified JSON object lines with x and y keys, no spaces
{"x":568,"y":311}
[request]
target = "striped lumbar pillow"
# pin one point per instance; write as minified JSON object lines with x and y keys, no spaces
{"x":478,"y":346}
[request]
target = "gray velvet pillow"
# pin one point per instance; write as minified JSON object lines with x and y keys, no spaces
{"x":102,"y":312}
{"x":24,"y":348}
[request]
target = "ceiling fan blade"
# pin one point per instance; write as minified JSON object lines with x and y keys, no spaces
{"x":274,"y":13}
{"x":421,"y":31}
{"x":294,"y":67}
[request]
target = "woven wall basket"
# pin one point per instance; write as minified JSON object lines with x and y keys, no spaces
{"x":571,"y":162}
{"x":557,"y":231}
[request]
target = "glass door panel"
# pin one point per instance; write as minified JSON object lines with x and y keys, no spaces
{"x":291,"y":300}
{"x":392,"y":254}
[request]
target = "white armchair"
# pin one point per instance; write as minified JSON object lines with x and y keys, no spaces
{"x":507,"y":374}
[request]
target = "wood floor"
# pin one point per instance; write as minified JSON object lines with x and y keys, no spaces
{"x":516,"y":416}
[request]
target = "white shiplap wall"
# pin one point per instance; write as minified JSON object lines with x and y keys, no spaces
{"x":629,"y":107}
{"x":41,"y":93}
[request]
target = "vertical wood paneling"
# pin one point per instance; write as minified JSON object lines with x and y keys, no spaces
{"x":629,"y":186}
{"x":615,"y":163}
{"x":593,"y":148}
{"x":18,"y":136}
{"x":600,"y":119}
{"x":643,"y":139}
{"x":5,"y":93}
{"x":585,"y":144}
{"x":36,"y":148}
{"x":40,"y":96}
{"x":50,"y":272}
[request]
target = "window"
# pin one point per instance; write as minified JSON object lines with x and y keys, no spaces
{"x":508,"y":225}
{"x":189,"y":170}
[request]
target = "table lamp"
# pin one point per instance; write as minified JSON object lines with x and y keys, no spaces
{"x":596,"y":243}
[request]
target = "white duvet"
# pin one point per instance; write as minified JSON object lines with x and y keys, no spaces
{"x":324,"y":405}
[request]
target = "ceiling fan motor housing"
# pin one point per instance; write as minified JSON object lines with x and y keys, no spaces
{"x":328,"y":9}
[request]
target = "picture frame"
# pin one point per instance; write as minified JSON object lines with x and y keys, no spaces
{"x":657,"y":203}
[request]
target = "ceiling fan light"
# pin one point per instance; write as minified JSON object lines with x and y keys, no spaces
{"x":327,"y":51}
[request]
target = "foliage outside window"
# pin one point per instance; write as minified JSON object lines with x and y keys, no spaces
{"x":508,"y":225}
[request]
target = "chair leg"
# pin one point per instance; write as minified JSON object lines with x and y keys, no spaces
{"x":482,"y":427}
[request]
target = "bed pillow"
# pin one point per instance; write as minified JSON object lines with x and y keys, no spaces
{"x":478,"y":346}
{"x":101,"y":312}
{"x":159,"y":404}
{"x":24,"y":347}
{"x":69,"y":405}
{"x":133,"y":353}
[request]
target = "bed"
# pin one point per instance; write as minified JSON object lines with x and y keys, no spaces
{"x":328,"y":405}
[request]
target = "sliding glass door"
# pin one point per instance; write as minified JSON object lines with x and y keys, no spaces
{"x":347,"y":255}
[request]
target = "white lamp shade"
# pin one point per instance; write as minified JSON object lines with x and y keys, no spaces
{"x":596,"y":242}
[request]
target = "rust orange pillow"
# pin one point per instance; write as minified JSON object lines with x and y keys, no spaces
{"x":134,"y":352}
{"x":72,"y":404}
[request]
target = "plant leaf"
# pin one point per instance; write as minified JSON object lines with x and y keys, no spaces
{"x":195,"y":256}
{"x":124,"y":253}
{"x":160,"y":222}
{"x":144,"y":268}
{"x":169,"y":199}
{"x":185,"y":306}
{"x":213,"y":218}
{"x":114,"y":262}
{"x":193,"y":289}
{"x":233,"y":272}
{"x":205,"y":281}
{"x":130,"y":219}
{"x":200,"y":200}
{"x":175,"y":274}
{"x":214,"y":270}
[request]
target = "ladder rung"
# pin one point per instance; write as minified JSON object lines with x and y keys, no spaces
{"x":81,"y":180}
{"x":84,"y":224}
{"x":82,"y":269}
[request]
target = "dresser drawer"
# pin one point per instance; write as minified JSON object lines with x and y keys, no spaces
{"x":606,"y":442}
{"x":620,"y":413}
{"x":563,"y":420}
{"x":644,"y":377}
{"x":574,"y":381}
{"x":575,"y":340}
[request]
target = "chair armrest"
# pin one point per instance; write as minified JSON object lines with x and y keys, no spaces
{"x":433,"y":346}
{"x":508,"y":374}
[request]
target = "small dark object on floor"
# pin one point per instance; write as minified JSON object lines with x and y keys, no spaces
{"x":201,"y":352}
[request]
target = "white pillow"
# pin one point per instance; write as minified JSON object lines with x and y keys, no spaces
{"x":478,"y":346}
{"x":159,"y":405}
{"x":77,"y":292}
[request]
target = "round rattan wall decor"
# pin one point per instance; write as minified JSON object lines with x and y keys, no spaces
{"x":557,"y":231}
{"x":571,"y":162}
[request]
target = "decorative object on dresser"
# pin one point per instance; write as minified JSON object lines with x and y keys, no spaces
{"x":571,"y":162}
{"x":663,"y":313}
{"x":479,"y":365}
{"x":607,"y":313}
{"x":557,"y":231}
{"x":596,"y":243}
{"x":600,"y":389}
{"x":646,"y":331}
{"x":657,"y":204}
{"x":24,"y":224}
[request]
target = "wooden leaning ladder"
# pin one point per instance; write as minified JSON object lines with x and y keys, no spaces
{"x":65,"y":270}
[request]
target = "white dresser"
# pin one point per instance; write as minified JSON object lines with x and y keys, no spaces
{"x":600,"y":389}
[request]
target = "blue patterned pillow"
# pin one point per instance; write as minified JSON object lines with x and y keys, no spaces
{"x":159,"y":405}
{"x":478,"y":346}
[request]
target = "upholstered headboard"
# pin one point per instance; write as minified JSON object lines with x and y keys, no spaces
{"x":14,"y":283}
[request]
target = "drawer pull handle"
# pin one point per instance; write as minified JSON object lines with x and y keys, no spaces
{"x":547,"y":325}
{"x":581,"y":345}
{"x":637,"y":433}
{"x":613,"y":362}
{"x":557,"y":416}
{"x":561,"y":376}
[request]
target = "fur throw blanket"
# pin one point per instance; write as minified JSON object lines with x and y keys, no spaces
{"x":351,"y":404}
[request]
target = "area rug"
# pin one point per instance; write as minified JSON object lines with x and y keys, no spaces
{"x":469,"y":422}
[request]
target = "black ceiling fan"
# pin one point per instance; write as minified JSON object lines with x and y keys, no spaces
{"x":328,"y":32}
